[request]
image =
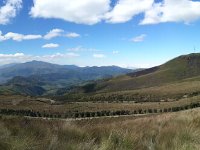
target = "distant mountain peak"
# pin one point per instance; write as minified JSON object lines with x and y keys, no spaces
{"x":37,"y":62}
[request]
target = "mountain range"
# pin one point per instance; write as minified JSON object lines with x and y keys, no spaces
{"x":40,"y":78}
{"x":37,"y":77}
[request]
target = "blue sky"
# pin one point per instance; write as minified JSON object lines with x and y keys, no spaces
{"x":127,"y":33}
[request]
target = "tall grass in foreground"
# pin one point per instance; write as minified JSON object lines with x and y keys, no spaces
{"x":172,"y":131}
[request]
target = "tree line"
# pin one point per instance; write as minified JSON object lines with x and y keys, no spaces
{"x":76,"y":114}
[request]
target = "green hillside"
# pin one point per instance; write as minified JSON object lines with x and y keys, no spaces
{"x":182,"y":67}
{"x":173,"y":80}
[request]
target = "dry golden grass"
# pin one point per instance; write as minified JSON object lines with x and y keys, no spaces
{"x":171,"y":131}
{"x":171,"y":91}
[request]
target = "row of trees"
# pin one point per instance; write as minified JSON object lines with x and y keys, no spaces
{"x":77,"y":114}
{"x":137,"y":97}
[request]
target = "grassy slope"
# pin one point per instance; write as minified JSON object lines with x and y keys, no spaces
{"x":172,"y":131}
{"x":172,"y":80}
{"x":165,"y":92}
{"x":182,"y":67}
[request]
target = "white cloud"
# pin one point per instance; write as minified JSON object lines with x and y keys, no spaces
{"x":82,"y":49}
{"x":18,"y":37}
{"x":94,"y":11}
{"x":125,"y":10}
{"x":59,"y":56}
{"x":50,"y":45}
{"x":32,"y":37}
{"x":99,"y":56}
{"x":78,"y":11}
{"x":115,"y":52}
{"x":59,"y":32}
{"x":53,"y":33}
{"x":13,"y":58}
{"x":53,"y":56}
{"x":21,"y":57}
{"x":9,"y":10}
{"x":76,"y":49}
{"x":72,"y":35}
{"x":72,"y":55}
{"x":139,"y":38}
{"x":7,"y":56}
{"x":172,"y":11}
{"x":13,"y":36}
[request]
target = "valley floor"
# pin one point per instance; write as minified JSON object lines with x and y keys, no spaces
{"x":174,"y":131}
